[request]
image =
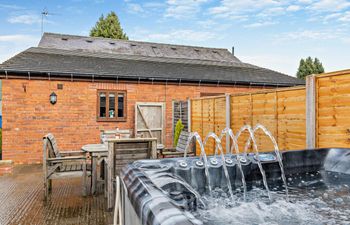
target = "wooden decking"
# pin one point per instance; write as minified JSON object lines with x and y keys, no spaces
{"x":21,"y":200}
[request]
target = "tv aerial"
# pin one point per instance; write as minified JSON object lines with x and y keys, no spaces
{"x":44,"y":14}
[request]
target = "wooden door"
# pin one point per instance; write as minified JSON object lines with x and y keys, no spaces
{"x":150,"y":120}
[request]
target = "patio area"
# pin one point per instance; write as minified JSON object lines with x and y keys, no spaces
{"x":22,"y":202}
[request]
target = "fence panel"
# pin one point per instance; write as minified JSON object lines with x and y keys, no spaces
{"x":208,"y":123}
{"x":291,"y":119}
{"x":332,"y":110}
{"x":220,"y":118}
{"x":281,"y":111}
{"x":196,"y":119}
{"x":241,"y":114}
{"x":208,"y":115}
{"x":284,"y":113}
{"x":265,"y":113}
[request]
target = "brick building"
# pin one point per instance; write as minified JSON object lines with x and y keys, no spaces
{"x":98,"y":82}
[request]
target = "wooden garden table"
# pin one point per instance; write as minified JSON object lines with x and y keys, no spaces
{"x":98,"y":154}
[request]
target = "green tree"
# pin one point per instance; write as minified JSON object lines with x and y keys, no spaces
{"x":318,"y":66}
{"x":309,"y":66}
{"x":108,"y":27}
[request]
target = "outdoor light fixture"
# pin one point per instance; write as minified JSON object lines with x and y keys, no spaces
{"x":53,"y":98}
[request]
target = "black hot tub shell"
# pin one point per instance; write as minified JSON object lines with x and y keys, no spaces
{"x":159,"y":191}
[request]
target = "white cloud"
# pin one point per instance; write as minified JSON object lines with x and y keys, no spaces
{"x":260,"y":24}
{"x":184,"y":36}
{"x":180,"y":9}
{"x":293,"y":8}
{"x":270,"y":12}
{"x":28,"y":19}
{"x":310,"y":35}
{"x":330,"y":5}
{"x":255,"y":10}
{"x":305,"y":1}
{"x":332,"y":16}
{"x":154,"y":5}
{"x":345,"y":17}
{"x":13,"y":44}
{"x":18,"y":38}
{"x":207,"y":23}
{"x":230,"y":9}
{"x":135,"y":8}
{"x":9,"y":6}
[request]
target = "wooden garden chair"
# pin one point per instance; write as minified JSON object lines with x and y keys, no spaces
{"x":58,"y":165}
{"x":179,"y":150}
{"x":122,"y":152}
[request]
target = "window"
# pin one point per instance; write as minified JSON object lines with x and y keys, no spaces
{"x":120,"y":105}
{"x":111,"y":106}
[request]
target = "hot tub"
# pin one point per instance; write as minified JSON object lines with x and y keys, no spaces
{"x":178,"y":191}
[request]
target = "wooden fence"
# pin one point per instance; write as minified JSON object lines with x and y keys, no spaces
{"x":208,"y":115}
{"x":332,"y":109}
{"x":313,"y":116}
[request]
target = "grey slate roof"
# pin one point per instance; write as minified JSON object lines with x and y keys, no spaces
{"x":122,"y":61}
{"x":135,"y":48}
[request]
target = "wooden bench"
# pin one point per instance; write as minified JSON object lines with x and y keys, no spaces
{"x":122,"y":152}
{"x":58,"y":165}
{"x":179,"y":150}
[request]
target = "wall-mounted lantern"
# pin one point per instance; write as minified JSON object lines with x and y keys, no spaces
{"x":53,"y":98}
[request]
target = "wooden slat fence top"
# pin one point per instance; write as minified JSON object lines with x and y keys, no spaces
{"x":266,"y":91}
{"x":335,"y":73}
{"x":253,"y":92}
{"x":209,"y":97}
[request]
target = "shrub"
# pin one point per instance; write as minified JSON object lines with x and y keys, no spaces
{"x":178,"y":128}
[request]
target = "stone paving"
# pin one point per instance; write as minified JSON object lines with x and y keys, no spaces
{"x":21,"y":200}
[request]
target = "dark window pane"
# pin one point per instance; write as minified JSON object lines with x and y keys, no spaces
{"x":111,"y":105}
{"x":121,"y":105}
{"x":102,"y":105}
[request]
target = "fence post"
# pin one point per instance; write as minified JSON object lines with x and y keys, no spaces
{"x":311,"y":111}
{"x":189,"y":115}
{"x":228,"y":121}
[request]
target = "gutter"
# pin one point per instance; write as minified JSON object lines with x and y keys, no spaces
{"x":93,"y":77}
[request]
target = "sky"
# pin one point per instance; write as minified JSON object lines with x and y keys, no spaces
{"x":274,"y":34}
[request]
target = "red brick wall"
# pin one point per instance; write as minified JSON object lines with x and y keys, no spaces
{"x":28,"y":114}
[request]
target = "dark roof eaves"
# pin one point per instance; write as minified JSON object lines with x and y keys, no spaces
{"x":251,"y":69}
{"x":137,"y":77}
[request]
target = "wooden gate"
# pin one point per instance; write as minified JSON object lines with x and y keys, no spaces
{"x":150,"y":120}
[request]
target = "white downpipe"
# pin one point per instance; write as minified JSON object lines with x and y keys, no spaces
{"x":117,"y":208}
